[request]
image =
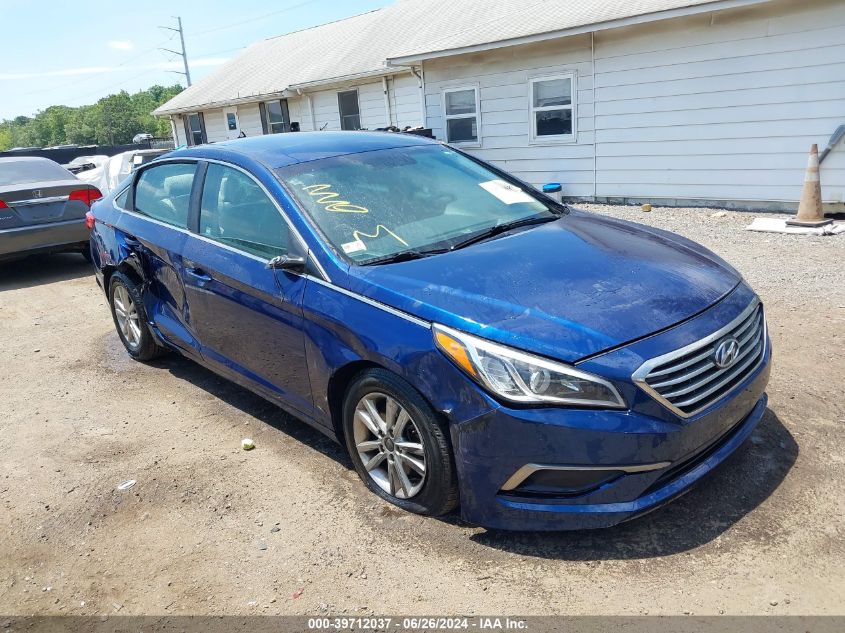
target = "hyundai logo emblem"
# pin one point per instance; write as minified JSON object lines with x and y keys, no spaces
{"x":726,"y":353}
{"x":36,"y":193}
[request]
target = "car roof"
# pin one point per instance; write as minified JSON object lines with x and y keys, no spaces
{"x":281,"y":150}
{"x":21,"y":159}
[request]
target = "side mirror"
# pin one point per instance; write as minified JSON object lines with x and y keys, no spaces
{"x":294,"y":263}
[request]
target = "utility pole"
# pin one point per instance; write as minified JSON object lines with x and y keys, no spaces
{"x":181,"y":53}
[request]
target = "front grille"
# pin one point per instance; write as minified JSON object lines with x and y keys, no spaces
{"x":688,"y":380}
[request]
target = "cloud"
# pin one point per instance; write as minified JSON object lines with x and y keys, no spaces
{"x":121,"y":45}
{"x":97,"y":70}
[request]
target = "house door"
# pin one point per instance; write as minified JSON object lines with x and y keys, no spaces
{"x":233,"y":126}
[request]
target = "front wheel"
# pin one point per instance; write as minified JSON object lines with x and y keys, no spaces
{"x":127,"y":309}
{"x":398,"y":445}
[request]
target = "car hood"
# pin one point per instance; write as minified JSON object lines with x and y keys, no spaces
{"x":567,"y":289}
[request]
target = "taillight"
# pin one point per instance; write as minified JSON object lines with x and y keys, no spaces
{"x":3,"y":205}
{"x":89,"y":220}
{"x":85,"y":195}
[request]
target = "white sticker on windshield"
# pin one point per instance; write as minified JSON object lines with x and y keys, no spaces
{"x":353,"y":247}
{"x":505,"y":191}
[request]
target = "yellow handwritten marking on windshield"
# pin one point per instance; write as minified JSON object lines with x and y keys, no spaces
{"x":357,"y":234}
{"x":328,"y":198}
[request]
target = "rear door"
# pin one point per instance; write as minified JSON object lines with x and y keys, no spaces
{"x":155,"y":232}
{"x":247,"y":316}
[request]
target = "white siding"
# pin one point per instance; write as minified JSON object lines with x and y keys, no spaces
{"x":179,"y":126}
{"x":719,"y":106}
{"x":215,"y":125}
{"x":722,"y":107}
{"x":249,"y":119}
{"x":405,"y":101}
{"x":502,"y":78}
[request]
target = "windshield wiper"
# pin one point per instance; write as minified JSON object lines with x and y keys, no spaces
{"x":498,"y":229}
{"x":403,"y":256}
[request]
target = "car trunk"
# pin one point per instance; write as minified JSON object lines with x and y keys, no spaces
{"x":42,"y":203}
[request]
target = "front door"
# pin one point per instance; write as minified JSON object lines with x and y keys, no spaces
{"x":247,"y":317}
{"x":233,"y":125}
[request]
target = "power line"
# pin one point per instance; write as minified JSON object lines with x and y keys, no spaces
{"x":76,"y":82}
{"x":256,"y":18}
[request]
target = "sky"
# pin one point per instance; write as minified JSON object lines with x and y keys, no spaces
{"x":75,"y":52}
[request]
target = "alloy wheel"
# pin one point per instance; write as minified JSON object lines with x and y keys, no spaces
{"x":126,"y":315}
{"x":390,"y":445}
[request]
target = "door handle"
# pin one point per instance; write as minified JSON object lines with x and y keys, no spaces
{"x":198,"y":274}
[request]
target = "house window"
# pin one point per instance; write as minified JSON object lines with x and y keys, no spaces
{"x":553,"y":108}
{"x":460,"y":108}
{"x":350,"y":115}
{"x":231,"y":121}
{"x":195,"y":129}
{"x":275,"y":117}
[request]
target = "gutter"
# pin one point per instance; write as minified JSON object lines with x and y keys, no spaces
{"x":281,"y":94}
{"x":199,"y":107}
{"x":718,"y":5}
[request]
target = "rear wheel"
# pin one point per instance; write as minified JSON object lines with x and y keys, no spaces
{"x":398,"y":445}
{"x":127,"y":310}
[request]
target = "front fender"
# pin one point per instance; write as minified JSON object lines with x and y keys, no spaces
{"x":341,"y":329}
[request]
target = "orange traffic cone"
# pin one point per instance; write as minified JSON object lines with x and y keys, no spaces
{"x":810,"y":208}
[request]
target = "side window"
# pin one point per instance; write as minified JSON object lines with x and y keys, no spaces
{"x":553,"y":108}
{"x":350,"y":114}
{"x":275,"y":117}
{"x":235,"y":211}
{"x":460,"y":108}
{"x":122,"y":198}
{"x":164,"y":192}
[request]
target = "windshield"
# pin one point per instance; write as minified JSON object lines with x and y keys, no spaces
{"x":18,"y":172}
{"x":376,"y":204}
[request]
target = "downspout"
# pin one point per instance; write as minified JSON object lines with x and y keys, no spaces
{"x":421,"y":81}
{"x":595,"y":132}
{"x":387,"y":101}
{"x":310,"y":107}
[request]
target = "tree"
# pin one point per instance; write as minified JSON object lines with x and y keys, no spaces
{"x":114,"y":119}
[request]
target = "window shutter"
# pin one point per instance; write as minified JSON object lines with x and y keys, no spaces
{"x":285,"y":114}
{"x":263,"y":110}
{"x":186,"y":123}
{"x":202,"y":128}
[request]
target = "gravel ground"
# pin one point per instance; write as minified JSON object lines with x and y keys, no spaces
{"x":288,"y":528}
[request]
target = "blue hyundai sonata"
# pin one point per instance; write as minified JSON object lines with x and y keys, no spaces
{"x":470,"y":340}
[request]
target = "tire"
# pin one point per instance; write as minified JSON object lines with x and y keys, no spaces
{"x":418,"y":436}
{"x":137,"y":338}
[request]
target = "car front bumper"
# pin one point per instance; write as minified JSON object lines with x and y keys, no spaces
{"x":628,"y":462}
{"x":643,"y":441}
{"x":55,"y":236}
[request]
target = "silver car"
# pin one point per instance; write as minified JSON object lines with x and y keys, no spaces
{"x":42,"y":208}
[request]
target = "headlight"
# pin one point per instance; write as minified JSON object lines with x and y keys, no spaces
{"x":521,"y":377}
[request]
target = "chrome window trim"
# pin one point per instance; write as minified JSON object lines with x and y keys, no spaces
{"x":376,"y":304}
{"x":32,"y":201}
{"x":639,"y":376}
{"x":272,"y":198}
{"x":526,"y":471}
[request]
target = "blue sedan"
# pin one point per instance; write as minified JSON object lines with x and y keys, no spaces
{"x":470,"y":340}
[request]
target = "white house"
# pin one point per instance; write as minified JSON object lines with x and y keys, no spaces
{"x":669,"y":101}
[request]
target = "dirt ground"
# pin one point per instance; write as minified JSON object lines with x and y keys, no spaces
{"x":289,"y":529}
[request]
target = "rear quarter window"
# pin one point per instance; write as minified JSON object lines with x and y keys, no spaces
{"x":164,"y":193}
